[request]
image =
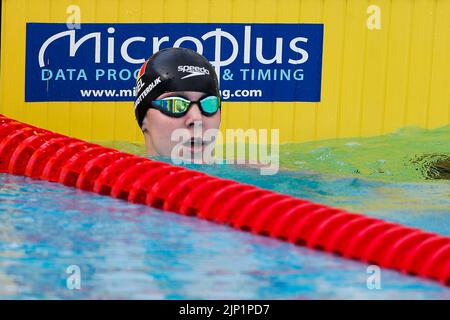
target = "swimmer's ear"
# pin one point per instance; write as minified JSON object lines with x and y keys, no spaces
{"x":144,"y":126}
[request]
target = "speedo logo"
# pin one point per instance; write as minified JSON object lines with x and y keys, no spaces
{"x":193,"y":71}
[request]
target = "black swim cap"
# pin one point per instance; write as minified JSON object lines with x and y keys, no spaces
{"x":173,"y":69}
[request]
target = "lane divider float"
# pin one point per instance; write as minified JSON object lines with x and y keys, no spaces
{"x":41,"y":154}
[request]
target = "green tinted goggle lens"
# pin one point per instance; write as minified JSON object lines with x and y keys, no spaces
{"x":177,"y":106}
{"x":210,"y":104}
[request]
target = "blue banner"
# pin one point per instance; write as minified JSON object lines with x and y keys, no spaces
{"x":100,"y":62}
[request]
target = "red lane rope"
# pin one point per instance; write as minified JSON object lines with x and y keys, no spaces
{"x":41,"y":154}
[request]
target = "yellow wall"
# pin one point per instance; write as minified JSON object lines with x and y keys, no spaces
{"x":374,"y":81}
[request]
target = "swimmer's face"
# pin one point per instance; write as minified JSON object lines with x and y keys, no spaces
{"x":159,"y":127}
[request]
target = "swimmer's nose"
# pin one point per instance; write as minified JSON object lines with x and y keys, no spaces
{"x":194,"y":115}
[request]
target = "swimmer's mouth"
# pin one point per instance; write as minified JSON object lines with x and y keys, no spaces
{"x":196,"y":142}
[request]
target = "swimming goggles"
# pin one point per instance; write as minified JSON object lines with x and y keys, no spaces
{"x":178,"y":106}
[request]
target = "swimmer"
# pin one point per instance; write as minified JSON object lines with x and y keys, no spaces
{"x":177,"y":88}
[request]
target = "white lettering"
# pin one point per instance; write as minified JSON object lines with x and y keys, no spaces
{"x":217,"y":62}
{"x":278,"y":52}
{"x":197,"y":43}
{"x":219,"y":37}
{"x":303,"y":52}
{"x":124,"y":50}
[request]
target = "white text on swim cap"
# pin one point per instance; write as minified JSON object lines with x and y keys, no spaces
{"x":193,"y":71}
{"x":146,"y":91}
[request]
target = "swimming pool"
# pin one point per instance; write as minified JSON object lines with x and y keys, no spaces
{"x":129,"y":251}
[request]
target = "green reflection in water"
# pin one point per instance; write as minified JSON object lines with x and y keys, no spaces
{"x":409,"y":154}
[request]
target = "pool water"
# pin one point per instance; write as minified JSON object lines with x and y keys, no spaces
{"x":128,"y":251}
{"x":410,"y":154}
